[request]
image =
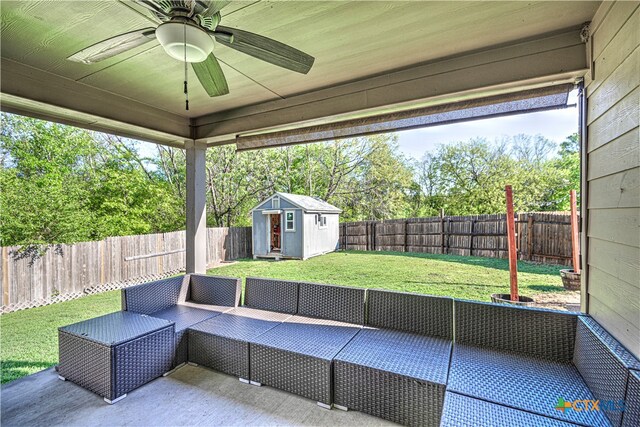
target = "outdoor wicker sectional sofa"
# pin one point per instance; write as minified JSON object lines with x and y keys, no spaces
{"x":412,"y":359}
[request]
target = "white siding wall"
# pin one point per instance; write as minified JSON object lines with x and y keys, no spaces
{"x":320,"y":240}
{"x":612,"y":174}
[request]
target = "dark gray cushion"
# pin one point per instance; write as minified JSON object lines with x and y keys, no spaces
{"x":215,"y":290}
{"x":271,"y":294}
{"x":332,"y":302}
{"x":153,"y":296}
{"x":420,"y":314}
{"x":548,"y":334}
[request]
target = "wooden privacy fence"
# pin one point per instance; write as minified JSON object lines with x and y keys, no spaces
{"x":541,"y":236}
{"x":64,"y":272}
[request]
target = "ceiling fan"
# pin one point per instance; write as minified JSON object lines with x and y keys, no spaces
{"x":186,"y":32}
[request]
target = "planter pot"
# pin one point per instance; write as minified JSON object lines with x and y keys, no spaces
{"x":506,"y":299}
{"x":570,"y":280}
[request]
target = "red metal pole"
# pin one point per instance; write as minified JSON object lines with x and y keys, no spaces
{"x":511,"y":239}
{"x":575,"y":239}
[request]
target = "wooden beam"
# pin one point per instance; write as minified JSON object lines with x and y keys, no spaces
{"x":546,"y":60}
{"x":511,"y":237}
{"x":36,"y":93}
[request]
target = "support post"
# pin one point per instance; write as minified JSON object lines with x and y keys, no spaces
{"x":196,"y":234}
{"x":511,"y":239}
{"x":575,"y":239}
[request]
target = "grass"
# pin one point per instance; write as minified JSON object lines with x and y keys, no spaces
{"x":460,"y":277}
{"x":29,"y":339}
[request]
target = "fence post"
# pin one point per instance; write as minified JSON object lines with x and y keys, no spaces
{"x":406,"y":225}
{"x":101,"y":250}
{"x":159,"y":249}
{"x":366,"y":234}
{"x":511,"y":241}
{"x":448,"y":234}
{"x":442,"y":230}
{"x":374,"y":226}
{"x":5,"y":275}
{"x":473,"y":223}
{"x":530,"y":237}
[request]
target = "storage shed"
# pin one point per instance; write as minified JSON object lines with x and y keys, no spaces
{"x":294,"y":226}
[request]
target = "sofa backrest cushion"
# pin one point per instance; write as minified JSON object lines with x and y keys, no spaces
{"x":332,"y":302}
{"x":420,"y":314}
{"x":214,"y":290}
{"x":153,"y":296}
{"x":549,"y":334}
{"x":604,"y":364}
{"x":271,"y":294}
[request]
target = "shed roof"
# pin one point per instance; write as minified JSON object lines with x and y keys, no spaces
{"x":306,"y":203}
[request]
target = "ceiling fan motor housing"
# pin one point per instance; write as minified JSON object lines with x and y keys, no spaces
{"x":197,"y":44}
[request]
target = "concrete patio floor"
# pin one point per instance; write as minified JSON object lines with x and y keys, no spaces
{"x":189,"y":396}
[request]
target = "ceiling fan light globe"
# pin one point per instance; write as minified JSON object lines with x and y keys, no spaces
{"x":198,"y":43}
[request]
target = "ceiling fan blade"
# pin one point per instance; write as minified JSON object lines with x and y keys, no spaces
{"x":113,"y":46}
{"x":210,"y":7}
{"x":264,"y":48}
{"x":211,"y":76}
{"x":162,"y":8}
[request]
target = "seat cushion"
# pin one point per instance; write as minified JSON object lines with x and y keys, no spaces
{"x":402,"y":353}
{"x":186,"y":315}
{"x":309,"y":336}
{"x":523,"y":382}
{"x":241,"y":323}
{"x":464,"y":411}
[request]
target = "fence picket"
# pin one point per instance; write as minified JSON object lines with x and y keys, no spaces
{"x":543,"y":237}
{"x":66,"y":272}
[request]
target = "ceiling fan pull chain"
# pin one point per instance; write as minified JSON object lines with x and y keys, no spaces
{"x":186,"y":89}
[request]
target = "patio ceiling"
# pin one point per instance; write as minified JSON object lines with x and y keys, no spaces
{"x":369,"y":56}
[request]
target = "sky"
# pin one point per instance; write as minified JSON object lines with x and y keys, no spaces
{"x":555,"y":125}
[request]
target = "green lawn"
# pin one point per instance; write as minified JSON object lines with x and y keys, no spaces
{"x":29,"y":340}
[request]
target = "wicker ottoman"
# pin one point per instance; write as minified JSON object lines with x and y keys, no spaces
{"x":114,"y":354}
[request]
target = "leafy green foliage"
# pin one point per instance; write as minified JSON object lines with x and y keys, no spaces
{"x":470,"y":177}
{"x":60,"y":184}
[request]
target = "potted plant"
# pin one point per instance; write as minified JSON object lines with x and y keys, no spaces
{"x":512,"y":297}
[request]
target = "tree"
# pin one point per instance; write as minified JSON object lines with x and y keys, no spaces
{"x":469,"y":177}
{"x":42,"y":196}
{"x":60,"y":184}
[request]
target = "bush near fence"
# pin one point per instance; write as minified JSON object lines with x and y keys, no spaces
{"x":540,"y":236}
{"x":64,"y":272}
